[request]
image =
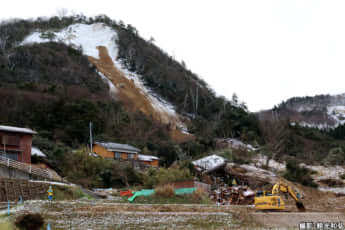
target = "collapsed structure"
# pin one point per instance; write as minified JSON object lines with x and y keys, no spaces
{"x":224,"y":188}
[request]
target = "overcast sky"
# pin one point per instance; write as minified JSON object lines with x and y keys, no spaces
{"x":264,"y":50}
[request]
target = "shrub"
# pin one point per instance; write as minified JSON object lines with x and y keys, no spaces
{"x":335,"y":156}
{"x":298,"y":174}
{"x":153,"y":176}
{"x":165,"y":191}
{"x":201,"y":196}
{"x":67,"y":193}
{"x":226,"y":153}
{"x":31,"y":221}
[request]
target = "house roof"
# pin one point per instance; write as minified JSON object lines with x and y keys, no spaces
{"x":37,"y":152}
{"x":210,"y":163}
{"x":147,"y":157}
{"x":16,"y":129}
{"x":116,"y":147}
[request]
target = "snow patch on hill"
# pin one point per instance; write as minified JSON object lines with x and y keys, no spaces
{"x":321,"y":172}
{"x":261,"y":160}
{"x":320,"y":126}
{"x":112,"y":87}
{"x":337,"y":113}
{"x":88,"y":38}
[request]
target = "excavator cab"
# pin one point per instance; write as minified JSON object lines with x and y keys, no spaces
{"x":272,"y":201}
{"x":267,"y":202}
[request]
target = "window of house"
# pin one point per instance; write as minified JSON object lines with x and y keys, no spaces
{"x":10,"y":155}
{"x":117,"y":155}
{"x":130,"y":156}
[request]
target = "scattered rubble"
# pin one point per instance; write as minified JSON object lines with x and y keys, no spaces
{"x":236,"y":195}
{"x":250,"y":175}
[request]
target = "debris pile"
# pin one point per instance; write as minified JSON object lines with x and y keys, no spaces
{"x":236,"y":195}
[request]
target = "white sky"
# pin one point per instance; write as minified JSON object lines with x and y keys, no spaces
{"x":264,"y":50}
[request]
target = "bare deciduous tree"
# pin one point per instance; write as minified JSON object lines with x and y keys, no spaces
{"x":275,"y":133}
{"x":62,"y":12}
{"x":4,"y":36}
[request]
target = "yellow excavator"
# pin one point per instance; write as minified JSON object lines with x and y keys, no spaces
{"x":266,"y":201}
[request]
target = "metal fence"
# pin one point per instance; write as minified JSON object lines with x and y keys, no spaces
{"x":28,"y":168}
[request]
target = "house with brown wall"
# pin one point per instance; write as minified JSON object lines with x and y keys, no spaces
{"x":118,"y":151}
{"x":16,"y":143}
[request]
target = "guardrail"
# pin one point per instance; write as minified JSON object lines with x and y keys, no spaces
{"x":45,"y":173}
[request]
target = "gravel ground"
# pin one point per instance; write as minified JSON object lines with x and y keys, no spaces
{"x":102,"y":215}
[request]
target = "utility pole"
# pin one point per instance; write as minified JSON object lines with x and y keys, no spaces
{"x":196,"y":100}
{"x":5,"y":142}
{"x":91,"y":136}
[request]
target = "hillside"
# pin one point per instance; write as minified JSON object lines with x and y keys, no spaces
{"x":321,"y":111}
{"x":310,"y":129}
{"x":58,"y":74}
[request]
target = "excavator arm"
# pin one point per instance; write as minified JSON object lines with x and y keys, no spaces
{"x":281,"y":187}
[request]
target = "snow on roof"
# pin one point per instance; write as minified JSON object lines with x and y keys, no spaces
{"x":118,"y":147}
{"x":16,"y":129}
{"x":210,"y":163}
{"x":35,"y":151}
{"x":147,"y":157}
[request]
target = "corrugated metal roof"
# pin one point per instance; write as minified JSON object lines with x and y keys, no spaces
{"x":147,"y":157}
{"x":210,"y":163}
{"x":16,"y":129}
{"x":110,"y":146}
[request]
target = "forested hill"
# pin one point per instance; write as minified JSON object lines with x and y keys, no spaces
{"x":320,"y":111}
{"x":310,"y":129}
{"x":56,"y":87}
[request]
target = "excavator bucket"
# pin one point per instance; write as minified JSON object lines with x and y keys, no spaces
{"x":300,"y":206}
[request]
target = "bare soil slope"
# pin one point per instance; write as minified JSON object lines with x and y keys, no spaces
{"x":132,"y":97}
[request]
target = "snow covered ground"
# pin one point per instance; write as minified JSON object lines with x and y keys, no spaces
{"x":112,"y":88}
{"x":237,"y":144}
{"x":88,"y":38}
{"x":334,"y":112}
{"x":322,"y":172}
{"x":337,"y":113}
{"x":320,"y":126}
{"x":260,"y":160}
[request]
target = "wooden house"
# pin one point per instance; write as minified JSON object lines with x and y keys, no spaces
{"x":149,"y":160}
{"x":123,"y":152}
{"x":16,"y":143}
